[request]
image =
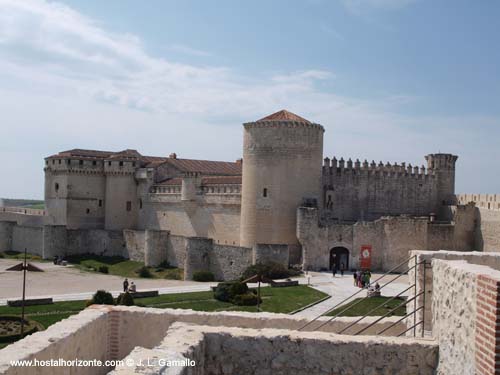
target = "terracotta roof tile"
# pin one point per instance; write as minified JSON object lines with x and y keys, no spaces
{"x":284,"y":115}
{"x":206,"y":167}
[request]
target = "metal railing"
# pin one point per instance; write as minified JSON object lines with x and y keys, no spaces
{"x":413,"y":299}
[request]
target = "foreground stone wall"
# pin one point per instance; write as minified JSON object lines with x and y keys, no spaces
{"x":112,"y":332}
{"x":228,"y":351}
{"x":84,"y":336}
{"x":462,"y":309}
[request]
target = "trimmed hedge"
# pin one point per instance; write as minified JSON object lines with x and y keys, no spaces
{"x":203,"y":276}
{"x":144,"y":272}
{"x":227,"y":291}
{"x":125,"y":299}
{"x":101,"y":297}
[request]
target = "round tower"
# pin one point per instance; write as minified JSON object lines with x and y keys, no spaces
{"x":282,"y":158}
{"x":443,"y":167}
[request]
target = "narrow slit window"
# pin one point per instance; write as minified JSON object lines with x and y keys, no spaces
{"x":264,"y":192}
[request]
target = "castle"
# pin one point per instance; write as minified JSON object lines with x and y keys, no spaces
{"x":281,"y":202}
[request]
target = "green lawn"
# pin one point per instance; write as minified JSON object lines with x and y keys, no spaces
{"x":120,"y":266}
{"x":20,"y":256}
{"x":37,"y":206}
{"x":367,"y":304}
{"x":279,"y":300}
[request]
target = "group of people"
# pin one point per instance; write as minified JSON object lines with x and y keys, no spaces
{"x":129,"y":287}
{"x":334,"y":270}
{"x":362,"y":278}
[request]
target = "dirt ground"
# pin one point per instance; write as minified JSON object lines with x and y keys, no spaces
{"x":67,"y":280}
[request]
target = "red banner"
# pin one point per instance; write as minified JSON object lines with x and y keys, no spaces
{"x":365,"y":257}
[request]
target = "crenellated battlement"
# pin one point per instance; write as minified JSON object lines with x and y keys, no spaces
{"x":341,"y":166}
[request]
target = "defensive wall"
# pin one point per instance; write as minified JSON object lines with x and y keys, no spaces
{"x":462,"y":308}
{"x":390,"y":238}
{"x":487,"y":219}
{"x":115,"y":332}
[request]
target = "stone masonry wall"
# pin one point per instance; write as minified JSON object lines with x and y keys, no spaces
{"x":229,"y":262}
{"x":464,"y":300}
{"x":391,"y":238}
{"x":83,"y":336}
{"x":29,"y":238}
{"x":228,"y":351}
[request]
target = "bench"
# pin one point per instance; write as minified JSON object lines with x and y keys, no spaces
{"x":30,"y":302}
{"x":144,"y":293}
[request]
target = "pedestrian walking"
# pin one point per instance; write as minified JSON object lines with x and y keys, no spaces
{"x":342,"y":267}
{"x":355,"y":276}
{"x":125,"y":285}
{"x":334,"y":270}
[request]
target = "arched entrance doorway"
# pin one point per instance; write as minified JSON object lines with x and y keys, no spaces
{"x":339,"y":257}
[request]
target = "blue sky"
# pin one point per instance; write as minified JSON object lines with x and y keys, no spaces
{"x":390,"y":80}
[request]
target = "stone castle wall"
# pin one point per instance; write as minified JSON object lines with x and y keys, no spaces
{"x":211,"y":215}
{"x":355,"y":191}
{"x":112,"y":332}
{"x":227,"y":351}
{"x":281,"y":167}
{"x":391,"y":238}
{"x":461,"y":308}
{"x":487,"y":219}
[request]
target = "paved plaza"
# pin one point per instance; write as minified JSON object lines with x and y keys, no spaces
{"x":69,"y":283}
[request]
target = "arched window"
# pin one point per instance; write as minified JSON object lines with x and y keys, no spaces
{"x":56,"y":186}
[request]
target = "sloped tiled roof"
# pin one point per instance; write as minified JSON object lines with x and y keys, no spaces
{"x":284,"y":115}
{"x":205,"y":167}
{"x":205,"y":181}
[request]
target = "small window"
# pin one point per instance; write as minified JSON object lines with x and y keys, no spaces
{"x":56,"y":186}
{"x":109,"y":163}
{"x":140,"y":204}
{"x":121,"y":164}
{"x":88,"y":211}
{"x":59,"y":161}
{"x":94,"y":162}
{"x":53,"y":161}
{"x":100,"y":202}
{"x":133,"y":164}
{"x":264,"y":192}
{"x":69,"y":161}
{"x":80,"y":162}
{"x":129,"y":206}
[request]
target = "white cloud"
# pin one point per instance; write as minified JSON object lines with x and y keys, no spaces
{"x":66,"y":81}
{"x":187,"y":50}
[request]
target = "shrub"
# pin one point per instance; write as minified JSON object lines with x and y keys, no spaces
{"x":103,"y":269}
{"x":1,"y":255}
{"x":101,"y":297}
{"x":144,"y":272}
{"x":125,"y":299}
{"x":174,"y":274}
{"x":227,"y":291}
{"x":164,"y":264}
{"x":247,"y":299}
{"x":203,"y":276}
{"x":270,"y":270}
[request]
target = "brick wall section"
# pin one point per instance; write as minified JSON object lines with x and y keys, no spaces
{"x":113,"y":337}
{"x":488,"y":325}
